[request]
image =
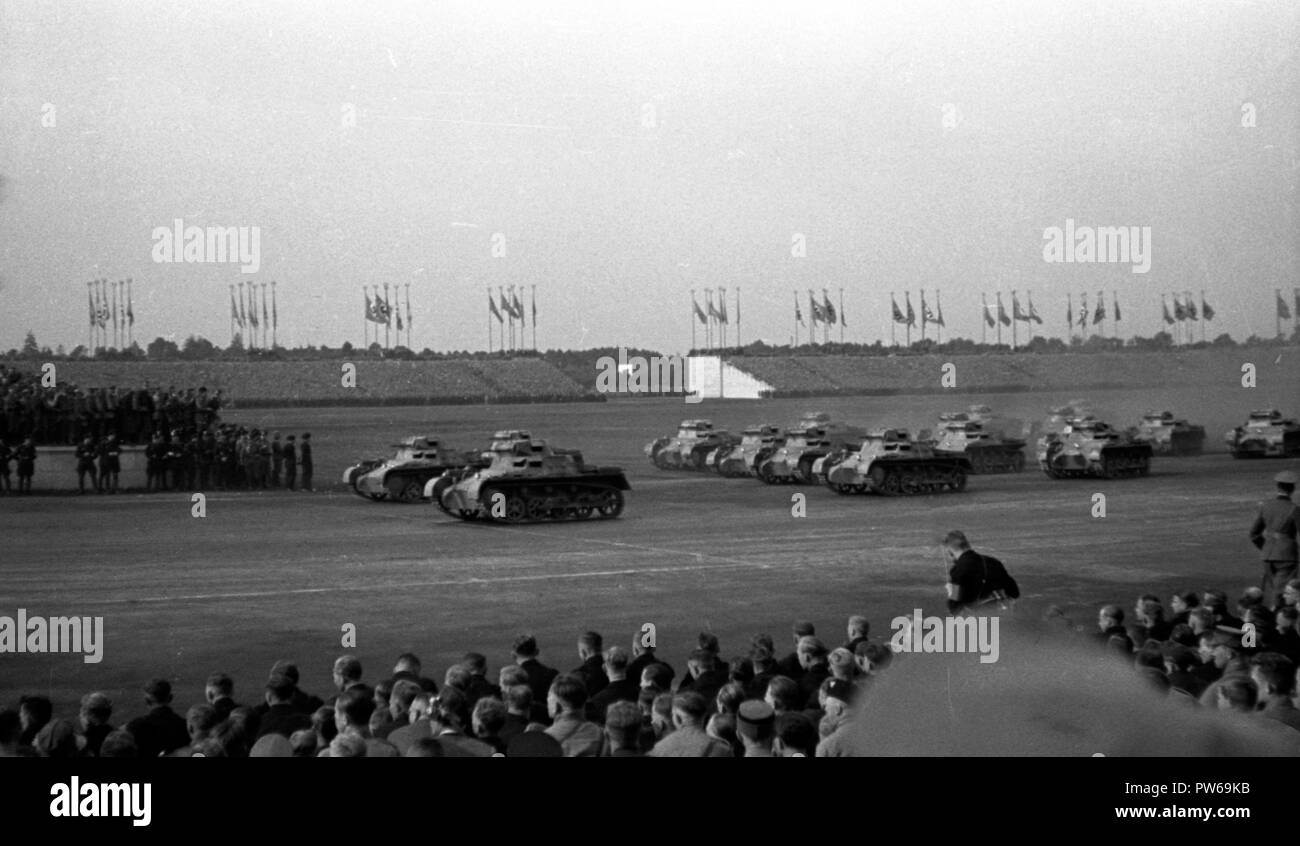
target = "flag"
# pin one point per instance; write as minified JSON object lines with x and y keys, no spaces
{"x":1033,"y":313}
{"x":252,"y":304}
{"x":408,"y":317}
{"x":518,"y":304}
{"x":400,"y":325}
{"x":898,"y":315}
{"x":1282,"y":311}
{"x":829,"y":309}
{"x":988,"y":315}
{"x":408,"y":308}
{"x":722,"y":305}
{"x":1002,"y":313}
{"x":265,"y":319}
{"x":1206,"y":311}
{"x":1069,"y":314}
{"x":1169,"y":321}
{"x":708,"y":302}
{"x":492,"y":306}
{"x":1099,"y":314}
{"x":1083,"y":311}
{"x":1191,"y":308}
{"x":1115,"y":301}
{"x":234,"y":312}
{"x":275,"y":317}
{"x":116,"y":286}
{"x":103,"y":304}
{"x":816,"y":310}
{"x":243,"y":313}
{"x":1180,"y":313}
{"x":911,"y":315}
{"x":90,"y":301}
{"x":926,"y":316}
{"x":938,"y":306}
{"x":377,"y":310}
{"x":1017,"y":314}
{"x":704,"y":318}
{"x":505,"y":305}
{"x":798,"y":315}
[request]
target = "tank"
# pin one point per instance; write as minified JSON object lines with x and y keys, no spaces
{"x":890,"y":462}
{"x":796,"y":454}
{"x":526,"y":480}
{"x":402,"y":478}
{"x":1058,"y":419}
{"x":1090,"y":447}
{"x":690,"y":448}
{"x":990,"y":442}
{"x":1168,"y":435}
{"x":756,"y":442}
{"x":1267,"y":434}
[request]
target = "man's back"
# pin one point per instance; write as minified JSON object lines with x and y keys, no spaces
{"x":161,"y":730}
{"x":1274,"y":531}
{"x":578,"y":737}
{"x":691,"y":742}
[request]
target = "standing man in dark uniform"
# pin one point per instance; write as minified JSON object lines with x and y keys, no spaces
{"x":6,"y":454}
{"x":305,"y":461}
{"x":1274,"y":534}
{"x":26,"y":465}
{"x":86,"y":454}
{"x":277,"y":459}
{"x":110,"y":465}
{"x":155,"y":464}
{"x":176,"y":460}
{"x":207,"y":459}
{"x":975,"y":579}
{"x":290,"y":454}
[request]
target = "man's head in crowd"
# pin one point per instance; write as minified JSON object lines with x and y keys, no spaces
{"x":796,"y":736}
{"x":812,"y":652}
{"x":1273,"y":675}
{"x":1185,"y":601}
{"x":802,"y":629}
{"x":279,"y":690}
{"x":655,"y":676}
{"x":519,"y":699}
{"x":525,"y":649}
{"x":352,"y":712}
{"x":399,"y":700}
{"x":219,"y":686}
{"x":1109,"y":617}
{"x":347,"y":671}
{"x":689,"y":710}
{"x":616,"y":661}
{"x":623,"y":726}
{"x":1201,"y":620}
{"x":842,"y":664}
{"x":756,"y":725}
{"x":511,"y":675}
{"x":566,"y":697}
{"x":476,"y":663}
{"x":783,"y":695}
{"x":489,"y":717}
{"x":701,"y":661}
{"x":858,"y":627}
{"x":407,"y":667}
{"x":1237,"y":694}
{"x":457,"y":676}
{"x":590,"y":645}
{"x":954,"y":544}
{"x":96,"y":710}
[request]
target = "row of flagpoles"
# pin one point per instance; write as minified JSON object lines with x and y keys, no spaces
{"x":110,"y":306}
{"x":715,"y":318}
{"x":244,"y":302}
{"x":512,"y":322}
{"x":381,"y":310}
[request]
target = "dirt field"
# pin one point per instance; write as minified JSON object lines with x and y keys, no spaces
{"x":275,"y":574}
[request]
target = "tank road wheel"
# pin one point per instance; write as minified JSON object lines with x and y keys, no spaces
{"x":893,"y":485}
{"x":910,"y":483}
{"x":878,"y":477}
{"x":765,"y":473}
{"x":411,"y":491}
{"x":535,"y":509}
{"x":378,"y":497}
{"x":610,"y":503}
{"x":842,"y":487}
{"x":516,"y":509}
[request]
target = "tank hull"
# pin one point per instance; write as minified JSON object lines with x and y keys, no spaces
{"x":1061,"y":460}
{"x":594,"y":494}
{"x":899,"y":476}
{"x":1284,"y":444}
{"x":988,"y":458}
{"x":388,"y":481}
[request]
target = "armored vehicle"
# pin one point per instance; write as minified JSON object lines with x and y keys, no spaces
{"x":528,"y":481}
{"x":989,"y":441}
{"x":756,"y":442}
{"x":1266,"y":434}
{"x":1168,"y":435}
{"x":690,"y":448}
{"x":1089,"y":447}
{"x":812,"y":439}
{"x":889,"y":462}
{"x":402,"y":478}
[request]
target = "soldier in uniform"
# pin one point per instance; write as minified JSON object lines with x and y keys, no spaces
{"x":277,"y":459}
{"x":190,"y":461}
{"x":305,"y":460}
{"x":1274,"y":534}
{"x":226,"y":460}
{"x":26,"y":465}
{"x":5,"y":455}
{"x":155,"y":464}
{"x":207,"y":459}
{"x":290,"y":462}
{"x":110,"y":464}
{"x":176,"y":460}
{"x":263,"y":461}
{"x":86,"y":454}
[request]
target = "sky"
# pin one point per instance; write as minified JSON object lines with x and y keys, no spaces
{"x":619,"y":156}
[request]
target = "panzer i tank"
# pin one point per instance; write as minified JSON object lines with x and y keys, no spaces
{"x":402,"y":478}
{"x":528,"y":481}
{"x":690,"y":448}
{"x":1168,"y":435}
{"x":756,"y":442}
{"x":1266,"y":434}
{"x":1058,"y":419}
{"x":796,"y":455}
{"x":1089,"y":447}
{"x":989,"y":441}
{"x":889,"y":462}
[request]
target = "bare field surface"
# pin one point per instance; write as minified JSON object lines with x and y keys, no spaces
{"x":275,"y":574}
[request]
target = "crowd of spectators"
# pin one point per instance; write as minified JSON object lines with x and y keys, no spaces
{"x":800,"y":698}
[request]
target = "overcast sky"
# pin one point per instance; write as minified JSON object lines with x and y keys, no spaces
{"x":629,"y":154}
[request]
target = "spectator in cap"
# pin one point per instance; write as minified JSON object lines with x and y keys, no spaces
{"x":689,"y":738}
{"x":1275,"y":533}
{"x":479,"y":686}
{"x":162,"y":730}
{"x":566,"y":701}
{"x":591,"y":670}
{"x":540,"y":676}
{"x":280,"y":717}
{"x":755,"y":725}
{"x":96,"y":711}
{"x":219,"y":691}
{"x":623,"y":729}
{"x":813,"y":658}
{"x":619,"y":689}
{"x":643,"y":655}
{"x":796,"y":737}
{"x":1274,"y":677}
{"x":859,"y":628}
{"x":790,"y":666}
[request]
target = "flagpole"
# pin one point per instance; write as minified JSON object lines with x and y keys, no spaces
{"x":737,"y":318}
{"x":796,"y":319}
{"x":907,"y":297}
{"x":534,"y":318}
{"x":1014,"y":319}
{"x":893,"y":335}
{"x":938,"y":305}
{"x":722,"y":327}
{"x":708,"y":319}
{"x":841,"y":315}
{"x":1277,"y":312}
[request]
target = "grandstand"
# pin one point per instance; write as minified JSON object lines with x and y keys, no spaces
{"x":305,"y":383}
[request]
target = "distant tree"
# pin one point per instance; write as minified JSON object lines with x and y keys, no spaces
{"x":347,"y":347}
{"x":30,"y":347}
{"x":78,"y":352}
{"x":196,"y":348}
{"x":161,"y":349}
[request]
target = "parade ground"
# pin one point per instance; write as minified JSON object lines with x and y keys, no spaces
{"x":275,"y":574}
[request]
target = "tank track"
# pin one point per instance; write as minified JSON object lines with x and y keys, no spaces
{"x":545,"y":500}
{"x":912,"y":478}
